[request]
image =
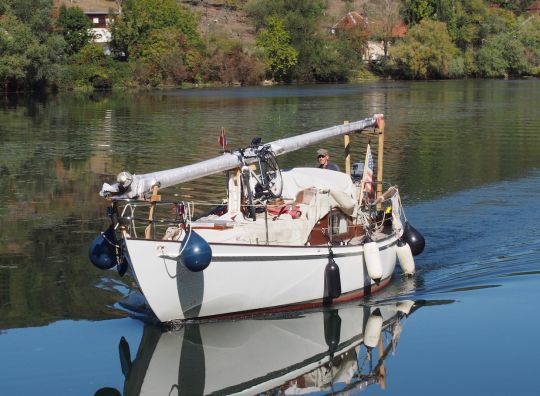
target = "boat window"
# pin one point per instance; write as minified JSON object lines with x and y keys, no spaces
{"x":337,"y":224}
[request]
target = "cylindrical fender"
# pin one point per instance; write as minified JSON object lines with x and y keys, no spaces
{"x":373,"y":260}
{"x":373,"y":329}
{"x":405,"y":257}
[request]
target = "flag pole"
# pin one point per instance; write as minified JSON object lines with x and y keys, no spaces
{"x":364,"y":173}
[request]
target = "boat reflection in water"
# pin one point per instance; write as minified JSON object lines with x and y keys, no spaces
{"x":328,"y":350}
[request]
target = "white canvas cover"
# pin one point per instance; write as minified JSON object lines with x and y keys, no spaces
{"x":299,"y":179}
{"x":329,"y":189}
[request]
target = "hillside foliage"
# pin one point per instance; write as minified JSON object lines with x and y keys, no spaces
{"x":159,"y":43}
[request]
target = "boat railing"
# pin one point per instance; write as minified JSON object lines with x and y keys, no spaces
{"x":155,"y":219}
{"x":140,"y":218}
{"x":376,"y":213}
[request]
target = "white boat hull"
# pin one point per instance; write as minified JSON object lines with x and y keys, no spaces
{"x":246,"y":278}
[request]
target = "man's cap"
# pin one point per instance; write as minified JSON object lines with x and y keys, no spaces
{"x":322,"y":152}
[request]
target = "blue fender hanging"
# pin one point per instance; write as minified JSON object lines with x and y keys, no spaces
{"x":102,"y":252}
{"x":196,"y":252}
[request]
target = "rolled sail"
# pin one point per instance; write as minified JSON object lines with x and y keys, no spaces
{"x":142,"y":184}
{"x":293,"y":143}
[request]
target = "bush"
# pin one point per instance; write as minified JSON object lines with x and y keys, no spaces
{"x":279,"y":54}
{"x":529,"y":33}
{"x":469,"y":62}
{"x":89,"y":68}
{"x":302,"y":21}
{"x":426,"y":52}
{"x":74,"y":26}
{"x":457,"y":67}
{"x":140,"y":19}
{"x":490,"y":60}
{"x":234,"y":66}
{"x":502,"y":55}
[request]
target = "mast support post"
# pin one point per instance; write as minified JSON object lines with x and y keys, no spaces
{"x":347,"y":148}
{"x":153,"y":199}
{"x":380,"y":154}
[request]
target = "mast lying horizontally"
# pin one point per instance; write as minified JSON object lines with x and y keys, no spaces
{"x":142,"y":184}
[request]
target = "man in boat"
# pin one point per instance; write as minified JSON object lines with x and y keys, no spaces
{"x":324,"y":160}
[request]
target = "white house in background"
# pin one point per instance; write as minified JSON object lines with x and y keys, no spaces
{"x":99,"y":12}
{"x":375,"y":49}
{"x":100,"y":29}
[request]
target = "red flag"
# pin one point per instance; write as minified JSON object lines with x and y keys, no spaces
{"x":222,"y":139}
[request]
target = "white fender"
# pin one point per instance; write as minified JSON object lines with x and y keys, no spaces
{"x":405,"y":306}
{"x":373,"y":329}
{"x":405,"y":257}
{"x":373,"y":260}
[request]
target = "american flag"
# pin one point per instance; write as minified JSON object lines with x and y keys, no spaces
{"x":222,"y":139}
{"x":367,"y":177}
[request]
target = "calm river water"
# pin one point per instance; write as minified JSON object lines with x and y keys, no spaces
{"x":466,"y":155}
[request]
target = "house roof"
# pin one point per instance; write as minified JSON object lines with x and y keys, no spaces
{"x":90,"y":6}
{"x":354,"y":19}
{"x":534,"y":7}
{"x":400,"y":30}
{"x":351,"y":19}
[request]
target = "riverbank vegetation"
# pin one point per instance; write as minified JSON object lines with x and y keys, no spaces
{"x":161,"y":43}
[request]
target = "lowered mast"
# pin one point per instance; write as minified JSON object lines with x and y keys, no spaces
{"x":141,"y":185}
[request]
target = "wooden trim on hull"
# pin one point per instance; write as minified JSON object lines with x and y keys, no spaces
{"x":346,"y":297}
{"x":379,"y":241}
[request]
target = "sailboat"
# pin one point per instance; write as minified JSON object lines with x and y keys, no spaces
{"x":321,"y":351}
{"x":281,"y":240}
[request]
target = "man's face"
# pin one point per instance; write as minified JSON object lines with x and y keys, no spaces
{"x":323,"y":160}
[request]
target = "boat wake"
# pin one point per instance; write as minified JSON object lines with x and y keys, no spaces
{"x":480,"y":238}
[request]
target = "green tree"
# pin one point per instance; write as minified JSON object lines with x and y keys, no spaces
{"x":140,"y":18}
{"x":414,"y":11}
{"x":320,"y":58}
{"x":167,"y":57}
{"x":516,"y":6}
{"x":470,"y":16}
{"x":502,"y":55}
{"x":426,"y":52}
{"x":498,"y":21}
{"x":354,"y":42}
{"x":36,"y":14}
{"x":15,"y":40}
{"x":46,"y":62}
{"x":528,"y":28}
{"x":279,"y":54}
{"x":75,"y":27}
{"x":334,"y":62}
{"x":445,"y":11}
{"x":32,"y":54}
{"x":89,"y":67}
{"x":464,"y":18}
{"x":386,"y":15}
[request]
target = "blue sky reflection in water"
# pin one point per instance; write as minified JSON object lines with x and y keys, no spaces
{"x":465,"y":155}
